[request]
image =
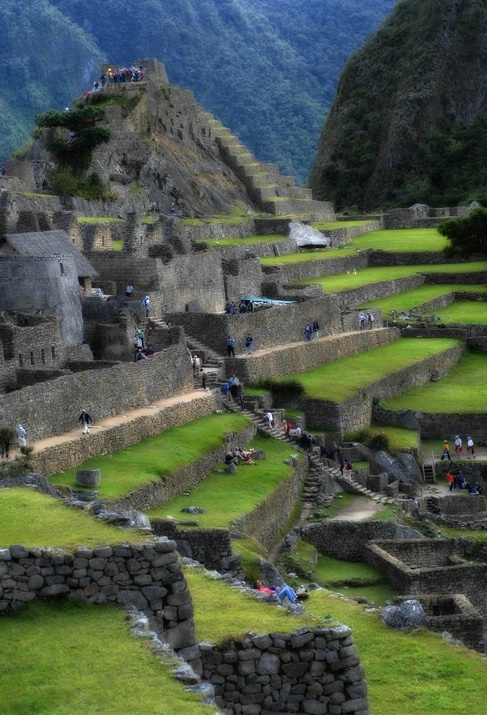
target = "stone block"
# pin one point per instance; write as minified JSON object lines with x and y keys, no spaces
{"x":55,"y":589}
{"x":315,"y":707}
{"x":134,"y":598}
{"x":181,"y":635}
{"x":262,"y":641}
{"x":294,"y":670}
{"x":17,"y":551}
{"x":268,"y":664}
{"x":351,"y":706}
{"x":35,"y":582}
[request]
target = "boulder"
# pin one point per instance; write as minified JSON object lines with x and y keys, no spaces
{"x":404,"y":616}
{"x":307,"y":236}
{"x":403,"y":467}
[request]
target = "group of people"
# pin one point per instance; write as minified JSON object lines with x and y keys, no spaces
{"x":142,"y":350}
{"x":456,"y":480}
{"x":458,"y":446}
{"x":283,"y":592}
{"x":311,"y":331}
{"x":245,"y":306}
{"x":120,"y":76}
{"x":365,"y":320}
{"x":239,"y":456}
{"x":231,"y":342}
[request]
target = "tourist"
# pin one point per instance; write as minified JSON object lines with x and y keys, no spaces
{"x":316,"y":329}
{"x":141,"y":337}
{"x":348,"y":466}
{"x":341,"y":462}
{"x":269,"y":418}
{"x":21,"y":436}
{"x":308,"y":332}
{"x":138,"y":343}
{"x":461,"y":482}
{"x":458,"y":446}
{"x":370,"y":320}
{"x":230,"y":346}
{"x":225,"y":389}
{"x":173,"y":209}
{"x":361,"y":320}
{"x":470,"y":447}
{"x":242,"y":308}
{"x":287,"y":426}
{"x":4,"y":170}
{"x":286,"y":592}
{"x":140,"y":355}
{"x":450,"y":478}
{"x":249,"y":344}
{"x":234,"y":385}
{"x":5,"y":443}
{"x":85,"y":420}
{"x":146,"y":304}
{"x":446,"y":451}
{"x":264,"y":589}
{"x":203,"y":379}
{"x":129,"y":290}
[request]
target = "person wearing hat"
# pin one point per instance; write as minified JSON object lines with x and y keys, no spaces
{"x":458,"y":446}
{"x":85,"y":420}
{"x":470,"y":447}
{"x":21,"y":435}
{"x":446,"y":451}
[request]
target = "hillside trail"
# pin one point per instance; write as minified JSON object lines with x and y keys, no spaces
{"x":108,"y":422}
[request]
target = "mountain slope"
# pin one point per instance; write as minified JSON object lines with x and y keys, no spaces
{"x":408,"y":122}
{"x":267,"y":70}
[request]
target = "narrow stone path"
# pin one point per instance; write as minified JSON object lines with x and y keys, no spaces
{"x":360,"y":509}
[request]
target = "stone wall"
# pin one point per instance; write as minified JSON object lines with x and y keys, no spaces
{"x":347,"y":540}
{"x":356,"y":413}
{"x":211,"y":229}
{"x":242,"y":277}
{"x":55,"y":459}
{"x":306,"y":356}
{"x":260,"y":250}
{"x":269,"y":327}
{"x":305,"y":270}
{"x":32,"y":341}
{"x":312,"y":670}
{"x":457,"y":278}
{"x":386,"y":258}
{"x":211,"y":547}
{"x":52,"y":408}
{"x":342,"y":236}
{"x":146,"y":575}
{"x":374,"y":291}
{"x":433,"y":425}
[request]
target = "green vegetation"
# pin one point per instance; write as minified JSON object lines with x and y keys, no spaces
{"x":367,"y":276}
{"x":71,"y":662}
{"x":461,"y":391}
{"x":251,"y":551}
{"x":226,"y":497}
{"x":301,"y":560}
{"x":154,"y":457}
{"x":351,"y":577}
{"x":398,"y":439}
{"x":464,"y":312}
{"x":99,"y":219}
{"x":467,"y":235}
{"x":34,"y":519}
{"x":340,"y":380}
{"x":408,"y":300}
{"x":403,"y":240}
{"x":247,"y":241}
{"x":334,"y":225}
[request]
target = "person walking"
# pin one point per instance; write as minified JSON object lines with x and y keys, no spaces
{"x":203,"y":379}
{"x":361,"y":320}
{"x":129,"y":290}
{"x":316,"y":329}
{"x":21,"y":436}
{"x":370,"y":320}
{"x":446,"y":451}
{"x":249,"y":344}
{"x":458,"y":446}
{"x":450,"y":478}
{"x":230,"y":346}
{"x":146,"y":304}
{"x":85,"y":420}
{"x":308,"y":331}
{"x":470,"y":447}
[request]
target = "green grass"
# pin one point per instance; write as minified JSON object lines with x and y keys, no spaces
{"x":34,"y":519}
{"x":74,"y":659}
{"x":462,"y":391}
{"x":135,"y":191}
{"x":149,"y":219}
{"x":117,"y":245}
{"x":247,"y":241}
{"x":387,"y":513}
{"x":409,"y":673}
{"x":225,"y":497}
{"x":255,"y":391}
{"x":407,"y":300}
{"x":305,"y":256}
{"x":368,"y":276}
{"x":403,"y":240}
{"x":341,"y":379}
{"x":400,"y":439}
{"x":251,"y":552}
{"x":464,"y":312}
{"x":152,"y":458}
{"x":341,"y":501}
{"x":223,"y":219}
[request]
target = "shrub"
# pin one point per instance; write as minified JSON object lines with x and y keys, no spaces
{"x":379,"y":441}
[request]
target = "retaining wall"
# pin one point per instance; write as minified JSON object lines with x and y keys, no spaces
{"x":146,"y":575}
{"x":211,"y":547}
{"x":312,"y":670}
{"x":308,"y":355}
{"x":374,"y":291}
{"x":59,"y":457}
{"x":305,"y":270}
{"x":52,"y":408}
{"x":434,"y":425}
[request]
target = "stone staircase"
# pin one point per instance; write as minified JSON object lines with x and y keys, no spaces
{"x":212,"y":363}
{"x":348,"y":483}
{"x":274,"y":193}
{"x":429,"y":473}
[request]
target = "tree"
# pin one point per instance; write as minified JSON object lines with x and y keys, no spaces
{"x":74,"y":146}
{"x":467,"y":236}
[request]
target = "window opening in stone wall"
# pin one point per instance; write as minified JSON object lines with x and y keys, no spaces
{"x":32,"y":362}
{"x":21,"y":360}
{"x":61,"y":266}
{"x":43,"y":356}
{"x":53,"y":352}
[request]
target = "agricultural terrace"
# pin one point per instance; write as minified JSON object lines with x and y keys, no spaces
{"x":340,"y":380}
{"x":354,"y":579}
{"x":474,"y":311}
{"x":72,"y":658}
{"x":391,"y":241}
{"x":36,"y":520}
{"x":247,"y":241}
{"x":398,"y":438}
{"x":462,"y":391}
{"x":225,"y":497}
{"x":334,"y":225}
{"x":406,"y":672}
{"x":367,"y":276}
{"x":153,"y":457}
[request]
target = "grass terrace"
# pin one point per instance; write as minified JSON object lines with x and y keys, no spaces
{"x":353,"y":579}
{"x":341,"y":379}
{"x":225,"y":219}
{"x":407,"y":300}
{"x":462,"y":391}
{"x":99,"y":219}
{"x":399,"y":439}
{"x":367,"y":276}
{"x":153,"y":457}
{"x":334,"y":225}
{"x":73,"y":659}
{"x":226,"y":497}
{"x":247,"y":241}
{"x":465,"y":312}
{"x":34,"y":519}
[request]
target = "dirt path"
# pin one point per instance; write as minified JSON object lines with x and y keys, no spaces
{"x":361,"y":508}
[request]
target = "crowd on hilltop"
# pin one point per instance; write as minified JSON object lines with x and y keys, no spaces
{"x":124,"y":74}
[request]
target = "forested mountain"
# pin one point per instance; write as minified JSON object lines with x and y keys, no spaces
{"x":267,"y":69}
{"x":410,"y":117}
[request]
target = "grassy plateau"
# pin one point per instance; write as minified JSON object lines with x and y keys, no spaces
{"x":470,"y":311}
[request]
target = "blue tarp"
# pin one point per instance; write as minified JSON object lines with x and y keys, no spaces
{"x":256,"y":299}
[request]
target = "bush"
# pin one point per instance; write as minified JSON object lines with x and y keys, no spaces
{"x":379,"y":441}
{"x":467,"y":236}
